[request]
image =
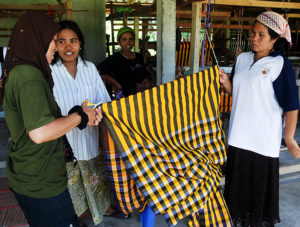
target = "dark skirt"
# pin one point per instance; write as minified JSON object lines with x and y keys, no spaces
{"x":252,"y":188}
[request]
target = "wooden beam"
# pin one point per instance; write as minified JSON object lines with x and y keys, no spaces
{"x":233,"y":18}
{"x":256,"y":3}
{"x":6,"y":29}
{"x":148,"y":11}
{"x":293,"y":15}
{"x":212,"y":14}
{"x":226,"y":26}
{"x":19,"y":13}
{"x":186,"y":14}
{"x":31,"y":7}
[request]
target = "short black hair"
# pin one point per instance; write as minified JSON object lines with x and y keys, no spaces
{"x":68,"y":24}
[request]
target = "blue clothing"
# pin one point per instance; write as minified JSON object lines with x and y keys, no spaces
{"x":54,"y":211}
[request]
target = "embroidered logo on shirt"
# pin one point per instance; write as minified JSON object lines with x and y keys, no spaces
{"x":265,"y":72}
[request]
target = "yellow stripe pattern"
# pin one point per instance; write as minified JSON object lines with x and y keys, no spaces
{"x":171,"y":141}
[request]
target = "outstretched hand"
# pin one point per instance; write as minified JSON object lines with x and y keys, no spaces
{"x":223,"y":76}
{"x":224,"y":80}
{"x":95,"y":115}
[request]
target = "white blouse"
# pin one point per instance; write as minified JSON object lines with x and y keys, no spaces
{"x":69,"y":92}
{"x":256,"y":117}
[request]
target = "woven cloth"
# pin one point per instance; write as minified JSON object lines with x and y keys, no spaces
{"x":277,"y":23}
{"x":171,"y":141}
{"x":128,"y":197}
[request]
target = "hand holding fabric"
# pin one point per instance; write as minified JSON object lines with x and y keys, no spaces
{"x":95,"y":115}
{"x":224,"y":80}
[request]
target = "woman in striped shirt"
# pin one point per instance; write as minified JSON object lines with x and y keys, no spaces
{"x":76,"y":80}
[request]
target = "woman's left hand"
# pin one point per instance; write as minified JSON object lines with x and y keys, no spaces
{"x":293,"y":148}
{"x":95,"y":115}
{"x":99,"y":115}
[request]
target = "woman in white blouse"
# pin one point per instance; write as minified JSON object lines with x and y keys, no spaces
{"x":76,"y":80}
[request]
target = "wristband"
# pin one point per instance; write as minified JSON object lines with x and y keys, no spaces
{"x":82,"y":114}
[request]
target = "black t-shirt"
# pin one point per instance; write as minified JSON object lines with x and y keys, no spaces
{"x":128,"y":72}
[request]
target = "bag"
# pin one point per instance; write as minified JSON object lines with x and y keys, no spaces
{"x":69,"y":157}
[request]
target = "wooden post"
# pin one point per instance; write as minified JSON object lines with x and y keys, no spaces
{"x":112,"y":26}
{"x":145,"y":28}
{"x":195,"y":41}
{"x":136,"y":32}
{"x":125,"y":18}
{"x":228,"y":35}
{"x":69,"y":9}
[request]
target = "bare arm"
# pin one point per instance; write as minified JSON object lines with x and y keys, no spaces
{"x":224,"y":80}
{"x":112,"y":81}
{"x":62,"y":125}
{"x":290,"y":128}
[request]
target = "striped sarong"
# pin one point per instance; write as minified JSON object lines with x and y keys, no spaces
{"x":171,"y":141}
{"x":225,"y":102}
{"x":128,"y":197}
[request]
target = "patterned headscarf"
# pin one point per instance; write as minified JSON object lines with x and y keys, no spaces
{"x":277,"y":23}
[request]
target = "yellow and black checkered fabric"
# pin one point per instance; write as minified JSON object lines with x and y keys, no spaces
{"x":171,"y":141}
{"x":128,"y":197}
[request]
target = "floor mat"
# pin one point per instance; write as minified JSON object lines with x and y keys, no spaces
{"x":11,"y":214}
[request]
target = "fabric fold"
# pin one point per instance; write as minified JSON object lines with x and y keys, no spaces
{"x":171,"y":142}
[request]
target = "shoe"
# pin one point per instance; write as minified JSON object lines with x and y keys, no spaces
{"x":117,"y":214}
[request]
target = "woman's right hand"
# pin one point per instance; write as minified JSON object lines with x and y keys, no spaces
{"x":223,"y":76}
{"x":117,"y":86}
{"x":224,"y":80}
{"x":95,"y":115}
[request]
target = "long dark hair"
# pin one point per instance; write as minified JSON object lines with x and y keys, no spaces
{"x":68,"y":24}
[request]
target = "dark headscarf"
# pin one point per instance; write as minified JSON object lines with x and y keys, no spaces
{"x":28,"y":44}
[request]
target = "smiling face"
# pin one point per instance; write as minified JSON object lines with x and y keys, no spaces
{"x":261,"y":39}
{"x":51,"y":50}
{"x":68,"y":46}
{"x":126,"y":41}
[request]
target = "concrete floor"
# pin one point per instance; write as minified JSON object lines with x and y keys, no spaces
{"x":289,"y":190}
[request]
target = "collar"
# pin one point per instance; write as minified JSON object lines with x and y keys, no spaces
{"x":275,"y":53}
{"x":80,"y":62}
{"x":272,"y":53}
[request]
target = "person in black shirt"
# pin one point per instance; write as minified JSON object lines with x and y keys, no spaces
{"x":125,"y":69}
